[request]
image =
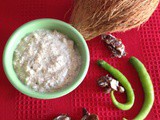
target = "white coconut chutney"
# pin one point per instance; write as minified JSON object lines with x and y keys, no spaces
{"x":46,"y":60}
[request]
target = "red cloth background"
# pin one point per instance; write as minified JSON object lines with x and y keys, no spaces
{"x":143,"y":43}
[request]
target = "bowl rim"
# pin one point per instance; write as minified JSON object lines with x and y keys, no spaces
{"x":55,"y":94}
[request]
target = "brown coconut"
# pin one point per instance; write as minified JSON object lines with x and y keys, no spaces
{"x":95,"y":17}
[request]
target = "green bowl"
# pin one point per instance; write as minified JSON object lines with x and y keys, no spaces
{"x":50,"y":24}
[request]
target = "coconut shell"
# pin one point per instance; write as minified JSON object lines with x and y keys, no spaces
{"x":95,"y":17}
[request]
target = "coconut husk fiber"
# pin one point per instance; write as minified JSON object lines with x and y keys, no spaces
{"x":95,"y":17}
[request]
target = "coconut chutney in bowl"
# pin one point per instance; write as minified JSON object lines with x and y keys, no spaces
{"x":46,"y":58}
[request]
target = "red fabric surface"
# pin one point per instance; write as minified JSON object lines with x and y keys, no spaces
{"x":143,"y":43}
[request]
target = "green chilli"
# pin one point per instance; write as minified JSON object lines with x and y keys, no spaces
{"x":147,"y":88}
{"x":124,"y":82}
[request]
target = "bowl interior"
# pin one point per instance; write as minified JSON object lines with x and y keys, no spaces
{"x":50,"y":24}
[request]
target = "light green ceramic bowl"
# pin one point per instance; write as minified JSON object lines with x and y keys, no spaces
{"x":50,"y":24}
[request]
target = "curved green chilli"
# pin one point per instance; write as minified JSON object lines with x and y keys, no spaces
{"x":147,"y":87}
{"x":125,"y":83}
